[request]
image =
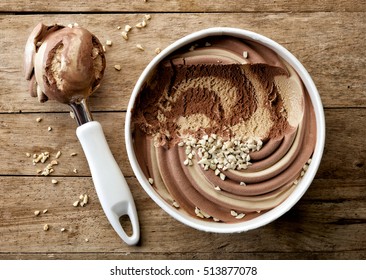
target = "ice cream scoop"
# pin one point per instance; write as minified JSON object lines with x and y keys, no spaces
{"x":67,"y":64}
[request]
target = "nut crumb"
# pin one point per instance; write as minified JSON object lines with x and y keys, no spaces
{"x":147,"y":17}
{"x":240,"y":216}
{"x":45,"y":211}
{"x":85,"y":199}
{"x":28,"y":154}
{"x":39,"y":119}
{"x":117,"y":67}
{"x":245,"y":54}
{"x":73,"y":154}
{"x":76,"y":203}
{"x":242,"y":184}
{"x":127,"y":28}
{"x":86,"y":240}
{"x":81,"y":197}
{"x":124,"y":35}
{"x":104,"y":48}
{"x":118,"y":27}
{"x":176,"y":204}
{"x":140,"y":47}
{"x":36,"y":213}
{"x":72,"y":114}
{"x":75,"y":171}
{"x":45,"y":227}
{"x":233,"y":213}
{"x":157,"y":50}
{"x":108,"y":43}
{"x":63,"y":229}
{"x":54,"y":181}
{"x":58,"y":154}
{"x":151,"y":181}
{"x":49,"y":128}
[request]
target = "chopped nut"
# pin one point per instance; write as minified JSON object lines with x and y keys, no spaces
{"x":85,"y":199}
{"x":217,"y":188}
{"x":72,"y":114}
{"x":82,"y":204}
{"x":108,"y":43}
{"x":117,"y":67}
{"x":104,"y":48}
{"x":39,"y":119}
{"x":86,"y":240}
{"x":147,"y":17}
{"x":54,"y":181}
{"x":157,"y":50}
{"x":63,"y":229}
{"x":242,"y":184}
{"x":124,"y":35}
{"x":176,"y":204}
{"x":198,"y":212}
{"x":222,"y":176}
{"x":240,"y":216}
{"x":118,"y":27}
{"x":36,"y":213}
{"x":58,"y":154}
{"x":54,"y":162}
{"x":76,"y":203}
{"x":245,"y":54}
{"x":127,"y":28}
{"x":28,"y":154}
{"x":233,"y":213}
{"x":49,"y":128}
{"x":75,"y":171}
{"x":45,"y":227}
{"x":140,"y":47}
{"x":81,"y":197}
{"x":151,"y":181}
{"x":39,"y":171}
{"x":44,"y":211}
{"x":73,"y":154}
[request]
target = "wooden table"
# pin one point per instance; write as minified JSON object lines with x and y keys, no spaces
{"x":329,"y":222}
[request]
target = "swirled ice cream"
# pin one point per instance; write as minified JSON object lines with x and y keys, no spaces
{"x":224,"y":129}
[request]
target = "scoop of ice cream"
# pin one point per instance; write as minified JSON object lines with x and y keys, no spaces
{"x":225,"y":128}
{"x":63,"y":63}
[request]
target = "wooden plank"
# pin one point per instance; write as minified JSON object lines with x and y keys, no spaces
{"x":334,"y":56}
{"x":20,"y":133}
{"x":182,"y":6}
{"x":346,"y":255}
{"x":328,"y":226}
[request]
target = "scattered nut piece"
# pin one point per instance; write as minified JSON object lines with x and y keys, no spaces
{"x":63,"y":229}
{"x":104,"y":48}
{"x":176,"y":204}
{"x":36,"y":213}
{"x":117,"y":67}
{"x":118,"y":27}
{"x":85,"y":199}
{"x":233,"y":213}
{"x":245,"y":54}
{"x":73,"y":154}
{"x":28,"y":154}
{"x":76,"y":203}
{"x":140,"y":25}
{"x":58,"y":154}
{"x":86,"y":240}
{"x":54,"y":181}
{"x":82,"y":204}
{"x":127,"y":28}
{"x":39,"y":119}
{"x":147,"y":17}
{"x":217,"y":188}
{"x":157,"y":50}
{"x":124,"y":35}
{"x":240,"y":216}
{"x":242,"y":184}
{"x":72,"y":114}
{"x":108,"y":43}
{"x":140,"y":47}
{"x":45,"y":211}
{"x":45,"y":227}
{"x":151,"y":181}
{"x":49,"y":128}
{"x":75,"y":171}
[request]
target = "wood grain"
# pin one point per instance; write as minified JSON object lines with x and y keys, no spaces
{"x":329,"y":221}
{"x":335,"y":57}
{"x":21,"y":134}
{"x":182,"y":6}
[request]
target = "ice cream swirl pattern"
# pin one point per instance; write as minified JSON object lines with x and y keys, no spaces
{"x":237,"y":91}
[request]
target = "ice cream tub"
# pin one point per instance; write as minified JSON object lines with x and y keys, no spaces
{"x":225,"y":130}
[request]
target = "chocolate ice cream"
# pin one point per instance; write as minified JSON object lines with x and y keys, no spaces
{"x":63,"y":63}
{"x":225,"y":128}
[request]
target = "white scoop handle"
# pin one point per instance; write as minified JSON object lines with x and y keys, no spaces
{"x":112,"y":189}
